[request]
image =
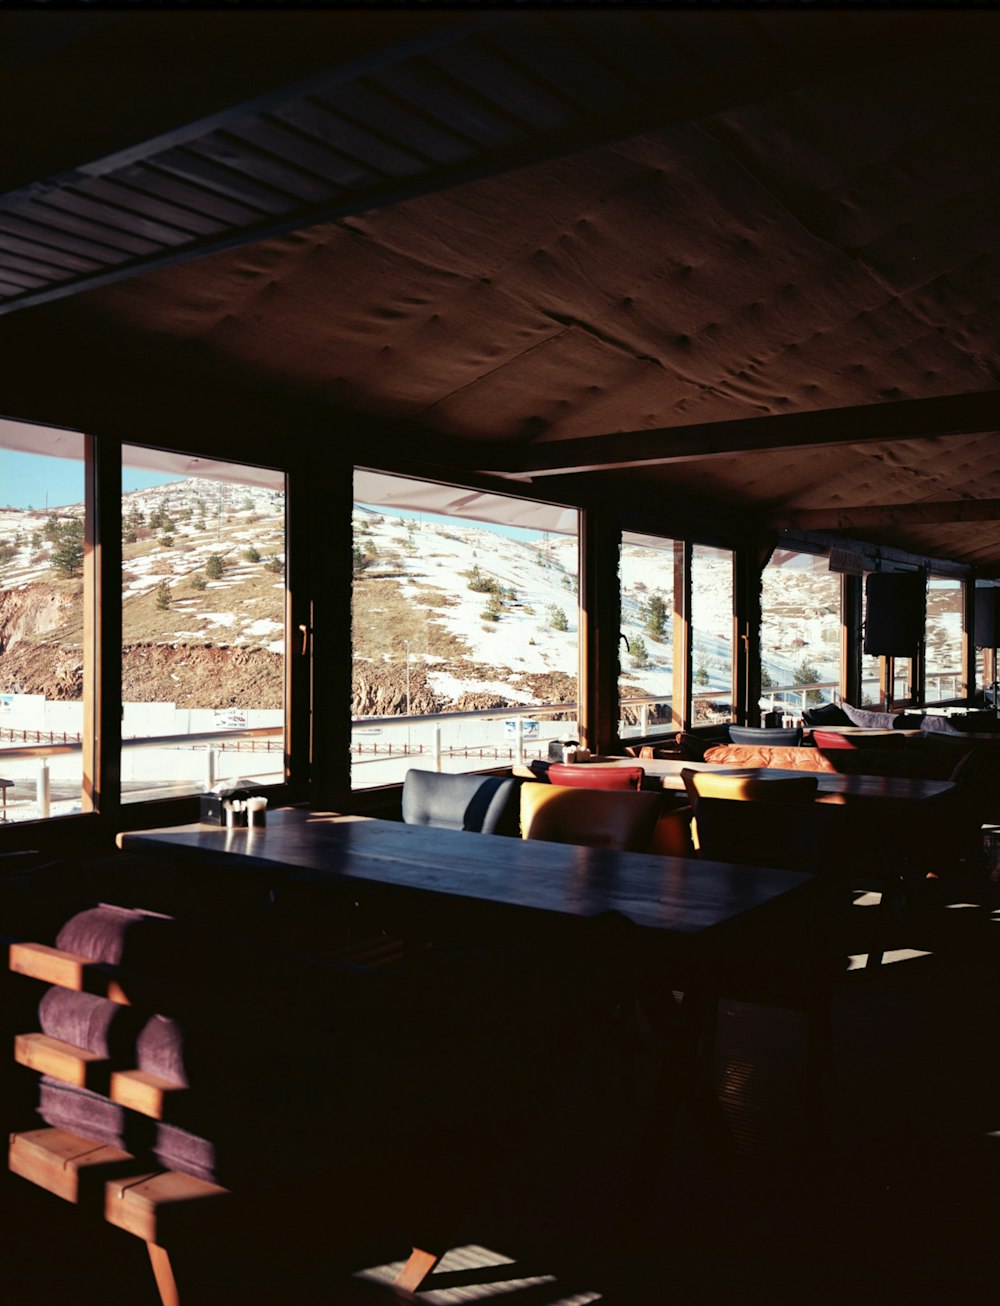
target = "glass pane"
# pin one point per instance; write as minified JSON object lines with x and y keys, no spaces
{"x":871,"y":671}
{"x":203,"y":624}
{"x":646,"y":679}
{"x":943,"y":676}
{"x":464,"y":628}
{"x":800,"y":633}
{"x":42,"y":673}
{"x":711,"y":634}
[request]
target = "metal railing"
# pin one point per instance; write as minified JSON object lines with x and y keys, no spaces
{"x":199,"y":777}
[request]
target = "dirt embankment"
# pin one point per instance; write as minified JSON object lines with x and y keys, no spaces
{"x":190,"y":676}
{"x":41,"y":653}
{"x":380,"y":690}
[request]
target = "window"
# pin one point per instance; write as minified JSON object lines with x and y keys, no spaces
{"x":203,"y":624}
{"x":45,"y":592}
{"x":646,"y":680}
{"x":464,"y":628}
{"x":711,"y":634}
{"x":944,"y":675}
{"x":800,"y":632}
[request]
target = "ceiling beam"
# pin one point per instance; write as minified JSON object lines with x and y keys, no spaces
{"x":903,"y":419}
{"x":886,"y":514}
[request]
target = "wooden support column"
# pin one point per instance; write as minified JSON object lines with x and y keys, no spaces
{"x":300,"y":558}
{"x":750,"y":561}
{"x":102,"y":628}
{"x":886,"y":677}
{"x":851,"y":589}
{"x":326,"y":572}
{"x":680,"y":711}
{"x":599,"y":626}
{"x":968,"y":686}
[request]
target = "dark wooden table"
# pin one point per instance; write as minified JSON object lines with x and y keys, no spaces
{"x":671,"y":898}
{"x":831,"y":787}
{"x":680,"y":912}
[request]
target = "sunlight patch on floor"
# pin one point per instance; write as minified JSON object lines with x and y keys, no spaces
{"x":859,"y":960}
{"x":463,"y":1266}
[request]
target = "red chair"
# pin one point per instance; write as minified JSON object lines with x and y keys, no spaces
{"x":583,"y":775}
{"x":831,"y":739}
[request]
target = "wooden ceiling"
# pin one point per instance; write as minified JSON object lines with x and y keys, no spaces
{"x":745,"y":260}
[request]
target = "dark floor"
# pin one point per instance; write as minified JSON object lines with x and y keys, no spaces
{"x":898,"y":1205}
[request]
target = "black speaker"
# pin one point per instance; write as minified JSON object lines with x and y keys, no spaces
{"x":895,"y":604}
{"x":988,"y":617}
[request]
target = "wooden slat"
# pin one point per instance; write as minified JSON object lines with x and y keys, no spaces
{"x":62,"y":1163}
{"x":15,"y":277}
{"x":418,"y":1266}
{"x":506,"y":85}
{"x":237,"y":154}
{"x":134,"y":201}
{"x":309,"y":153}
{"x":140,"y":1206}
{"x":67,"y":970}
{"x":429,"y":140}
{"x":75,"y":202}
{"x":62,"y":241}
{"x":194,"y":167}
{"x":46,"y":255}
{"x":50,"y":216}
{"x":35,"y":263}
{"x":142,"y":1092}
{"x":447,"y":102}
{"x":63,"y":1061}
{"x":364,"y":157}
{"x":193,"y":197}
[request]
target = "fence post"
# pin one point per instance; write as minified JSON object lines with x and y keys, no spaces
{"x":210,"y":756}
{"x":436,"y":738}
{"x":43,"y":791}
{"x":644,"y":720}
{"x":520,"y":738}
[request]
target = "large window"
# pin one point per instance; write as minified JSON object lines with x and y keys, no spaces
{"x":799,"y":633}
{"x":464,"y":628}
{"x":944,"y":675}
{"x":44,"y":596}
{"x":647,"y":568}
{"x":711,"y":634}
{"x":203,"y":624}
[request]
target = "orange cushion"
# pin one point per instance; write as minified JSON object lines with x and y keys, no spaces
{"x":789,"y":759}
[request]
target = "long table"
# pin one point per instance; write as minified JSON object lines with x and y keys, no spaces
{"x":670,"y":897}
{"x":831,"y":787}
{"x":702,"y":915}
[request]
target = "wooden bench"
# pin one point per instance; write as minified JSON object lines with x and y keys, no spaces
{"x":162,"y":1206}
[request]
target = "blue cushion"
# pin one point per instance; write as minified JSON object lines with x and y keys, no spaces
{"x":826,"y":714}
{"x":487,"y":804}
{"x":771,"y":737}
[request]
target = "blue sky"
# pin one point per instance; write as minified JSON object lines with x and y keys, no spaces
{"x":36,"y":481}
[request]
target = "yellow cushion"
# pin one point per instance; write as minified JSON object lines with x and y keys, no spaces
{"x":782,"y":789}
{"x":594,"y":818}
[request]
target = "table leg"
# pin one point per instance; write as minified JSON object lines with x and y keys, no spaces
{"x":684,"y":1076}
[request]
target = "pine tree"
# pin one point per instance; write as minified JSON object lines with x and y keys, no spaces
{"x":163,"y":596}
{"x":67,"y":557}
{"x":656,"y":617}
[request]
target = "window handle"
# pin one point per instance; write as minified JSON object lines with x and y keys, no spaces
{"x":305,"y":638}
